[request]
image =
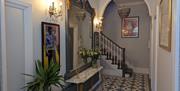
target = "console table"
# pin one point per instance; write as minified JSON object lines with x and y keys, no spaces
{"x":82,"y":77}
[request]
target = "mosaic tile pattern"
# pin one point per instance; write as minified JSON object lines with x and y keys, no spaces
{"x":139,"y":82}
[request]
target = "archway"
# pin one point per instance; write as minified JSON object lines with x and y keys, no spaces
{"x":102,"y":13}
{"x":104,"y":5}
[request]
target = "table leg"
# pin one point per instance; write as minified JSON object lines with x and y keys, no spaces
{"x":80,"y":87}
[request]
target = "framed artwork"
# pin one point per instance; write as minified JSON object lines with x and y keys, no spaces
{"x":50,"y":43}
{"x":165,"y":24}
{"x":130,"y":27}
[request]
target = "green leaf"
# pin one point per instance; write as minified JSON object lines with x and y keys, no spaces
{"x":44,"y":78}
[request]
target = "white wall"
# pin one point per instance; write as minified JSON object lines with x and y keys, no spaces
{"x":39,"y":8}
{"x":167,"y":63}
{"x":0,"y":53}
{"x":112,"y":28}
{"x":39,"y":14}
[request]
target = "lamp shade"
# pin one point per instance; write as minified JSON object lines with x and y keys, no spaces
{"x":124,"y":12}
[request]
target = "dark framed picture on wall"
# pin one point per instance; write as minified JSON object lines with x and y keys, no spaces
{"x":50,"y":43}
{"x":130,"y":27}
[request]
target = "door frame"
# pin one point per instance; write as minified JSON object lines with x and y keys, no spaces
{"x":176,"y":45}
{"x":28,"y":37}
{"x":3,"y":47}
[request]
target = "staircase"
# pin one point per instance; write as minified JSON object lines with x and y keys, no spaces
{"x":113,"y":52}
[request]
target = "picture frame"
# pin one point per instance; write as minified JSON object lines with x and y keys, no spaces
{"x":50,"y":43}
{"x":130,"y":27}
{"x":165,"y":24}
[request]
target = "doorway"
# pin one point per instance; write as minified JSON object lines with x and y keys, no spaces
{"x":16,"y":43}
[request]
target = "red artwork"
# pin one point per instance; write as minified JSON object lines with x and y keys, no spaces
{"x":130,"y":27}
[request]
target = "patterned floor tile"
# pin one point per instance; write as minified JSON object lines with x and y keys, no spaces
{"x":139,"y":82}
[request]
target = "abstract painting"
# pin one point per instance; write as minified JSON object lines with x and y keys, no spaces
{"x":50,"y":43}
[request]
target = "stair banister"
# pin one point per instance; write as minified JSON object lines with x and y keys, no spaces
{"x":114,"y":52}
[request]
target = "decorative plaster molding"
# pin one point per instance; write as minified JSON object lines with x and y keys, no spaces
{"x":119,"y":4}
{"x":132,"y":3}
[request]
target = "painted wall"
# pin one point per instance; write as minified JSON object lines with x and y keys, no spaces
{"x":0,"y":66}
{"x":164,"y":71}
{"x":112,"y":28}
{"x":167,"y":62}
{"x":0,"y":70}
{"x":39,"y":9}
{"x":40,"y":14}
{"x":0,"y":53}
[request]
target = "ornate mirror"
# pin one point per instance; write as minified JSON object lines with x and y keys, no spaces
{"x":79,"y":35}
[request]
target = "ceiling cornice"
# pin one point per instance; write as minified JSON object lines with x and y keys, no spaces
{"x":119,"y":4}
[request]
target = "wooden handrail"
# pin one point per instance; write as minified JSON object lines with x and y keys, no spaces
{"x":118,"y":56}
{"x":120,"y":62}
{"x":112,"y":41}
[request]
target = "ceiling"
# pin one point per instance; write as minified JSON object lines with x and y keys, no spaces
{"x":128,"y":1}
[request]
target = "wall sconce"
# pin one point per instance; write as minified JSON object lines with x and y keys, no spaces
{"x":55,"y":11}
{"x":98,"y":23}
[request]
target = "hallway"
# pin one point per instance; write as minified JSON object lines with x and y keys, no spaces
{"x":95,"y":45}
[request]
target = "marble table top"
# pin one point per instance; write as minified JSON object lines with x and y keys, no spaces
{"x":84,"y":75}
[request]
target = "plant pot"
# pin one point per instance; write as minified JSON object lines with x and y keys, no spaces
{"x":94,"y":64}
{"x":85,"y":60}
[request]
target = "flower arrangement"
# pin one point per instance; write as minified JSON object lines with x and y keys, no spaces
{"x":84,"y":53}
{"x":92,"y":53}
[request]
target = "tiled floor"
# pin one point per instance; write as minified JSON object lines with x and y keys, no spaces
{"x":139,"y":82}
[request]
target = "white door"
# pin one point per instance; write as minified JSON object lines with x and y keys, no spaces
{"x":19,"y":44}
{"x":15,"y":48}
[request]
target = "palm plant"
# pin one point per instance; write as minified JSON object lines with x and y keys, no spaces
{"x":44,"y":79}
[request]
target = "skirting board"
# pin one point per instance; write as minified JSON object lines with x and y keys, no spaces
{"x":138,"y":69}
{"x":141,"y":70}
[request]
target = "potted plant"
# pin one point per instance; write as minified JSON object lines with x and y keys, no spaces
{"x":44,"y":79}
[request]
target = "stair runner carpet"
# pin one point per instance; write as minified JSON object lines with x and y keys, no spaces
{"x":138,"y":82}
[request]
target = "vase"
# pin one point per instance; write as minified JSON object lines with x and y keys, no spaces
{"x":85,"y":60}
{"x":94,"y":63}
